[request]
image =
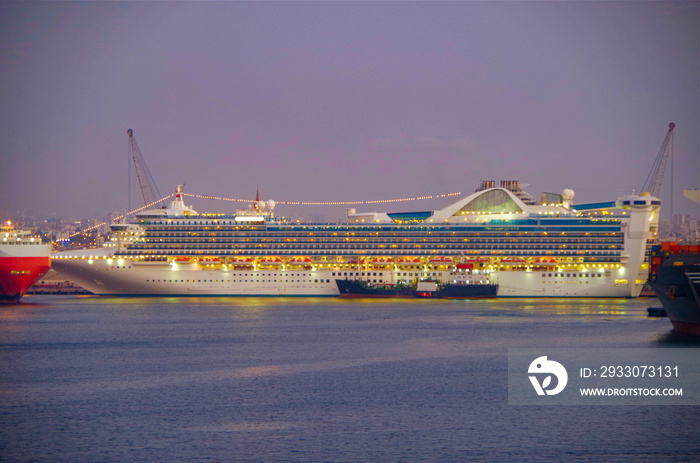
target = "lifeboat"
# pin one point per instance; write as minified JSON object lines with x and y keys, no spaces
{"x":209,"y":262}
{"x":242,"y":263}
{"x":546,"y":261}
{"x":441,"y":260}
{"x":476,"y":260}
{"x":513,"y":261}
{"x":181,"y":260}
{"x":273,"y":261}
{"x":409,"y":261}
{"x":300,"y":262}
{"x":382,"y":261}
{"x":470,"y":263}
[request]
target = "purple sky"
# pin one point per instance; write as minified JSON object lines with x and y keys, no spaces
{"x":343,"y":101}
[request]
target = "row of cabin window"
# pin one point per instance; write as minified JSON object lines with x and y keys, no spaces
{"x":569,"y":275}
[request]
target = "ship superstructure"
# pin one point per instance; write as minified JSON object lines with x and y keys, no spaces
{"x":497,"y":234}
{"x":23,"y":260}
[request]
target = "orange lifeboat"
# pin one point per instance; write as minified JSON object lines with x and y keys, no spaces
{"x":441,"y":260}
{"x":181,"y":260}
{"x":209,"y":262}
{"x":409,"y":261}
{"x":242,"y":263}
{"x":300,"y":261}
{"x":271,"y":260}
{"x":382,"y":261}
{"x":546,"y":261}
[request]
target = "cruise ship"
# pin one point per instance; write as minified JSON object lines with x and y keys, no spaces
{"x":498,"y":234}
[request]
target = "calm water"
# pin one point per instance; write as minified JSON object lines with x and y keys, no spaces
{"x":86,"y":379}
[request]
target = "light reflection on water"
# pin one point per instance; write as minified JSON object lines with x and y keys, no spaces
{"x":315,"y":379}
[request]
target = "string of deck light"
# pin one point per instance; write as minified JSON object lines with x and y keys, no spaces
{"x":288,"y":203}
{"x":326,"y":203}
{"x":121,"y":216}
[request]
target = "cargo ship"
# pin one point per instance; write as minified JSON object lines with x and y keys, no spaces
{"x":422,"y":289}
{"x":546,"y":248}
{"x":675,"y":277}
{"x":23,"y":261}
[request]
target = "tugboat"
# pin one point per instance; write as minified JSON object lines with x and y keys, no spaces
{"x":675,"y":277}
{"x":423,"y":289}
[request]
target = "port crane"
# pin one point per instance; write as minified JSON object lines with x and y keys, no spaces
{"x":149,"y":190}
{"x":653,"y":182}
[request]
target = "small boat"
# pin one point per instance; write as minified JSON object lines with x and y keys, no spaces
{"x":656,"y":312}
{"x":423,"y":289}
{"x":362,"y":289}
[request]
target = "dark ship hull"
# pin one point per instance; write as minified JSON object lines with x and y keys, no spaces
{"x":358,"y":289}
{"x":675,"y":277}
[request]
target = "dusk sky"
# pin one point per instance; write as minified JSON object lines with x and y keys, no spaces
{"x":343,"y":101}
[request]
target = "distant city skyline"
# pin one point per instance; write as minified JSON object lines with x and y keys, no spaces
{"x":343,"y":101}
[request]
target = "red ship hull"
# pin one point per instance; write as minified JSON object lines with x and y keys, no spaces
{"x":18,"y":274}
{"x":688,"y":328}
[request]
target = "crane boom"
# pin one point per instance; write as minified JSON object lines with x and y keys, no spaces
{"x":653,"y":182}
{"x":149,"y":190}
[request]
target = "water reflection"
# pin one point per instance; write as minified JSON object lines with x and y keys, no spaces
{"x":673,"y":338}
{"x":314,"y":379}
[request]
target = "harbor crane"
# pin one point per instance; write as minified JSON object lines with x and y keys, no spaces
{"x":149,"y":190}
{"x":653,"y":182}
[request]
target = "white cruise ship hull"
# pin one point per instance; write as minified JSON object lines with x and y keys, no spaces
{"x":105,"y":275}
{"x":564,"y":284}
